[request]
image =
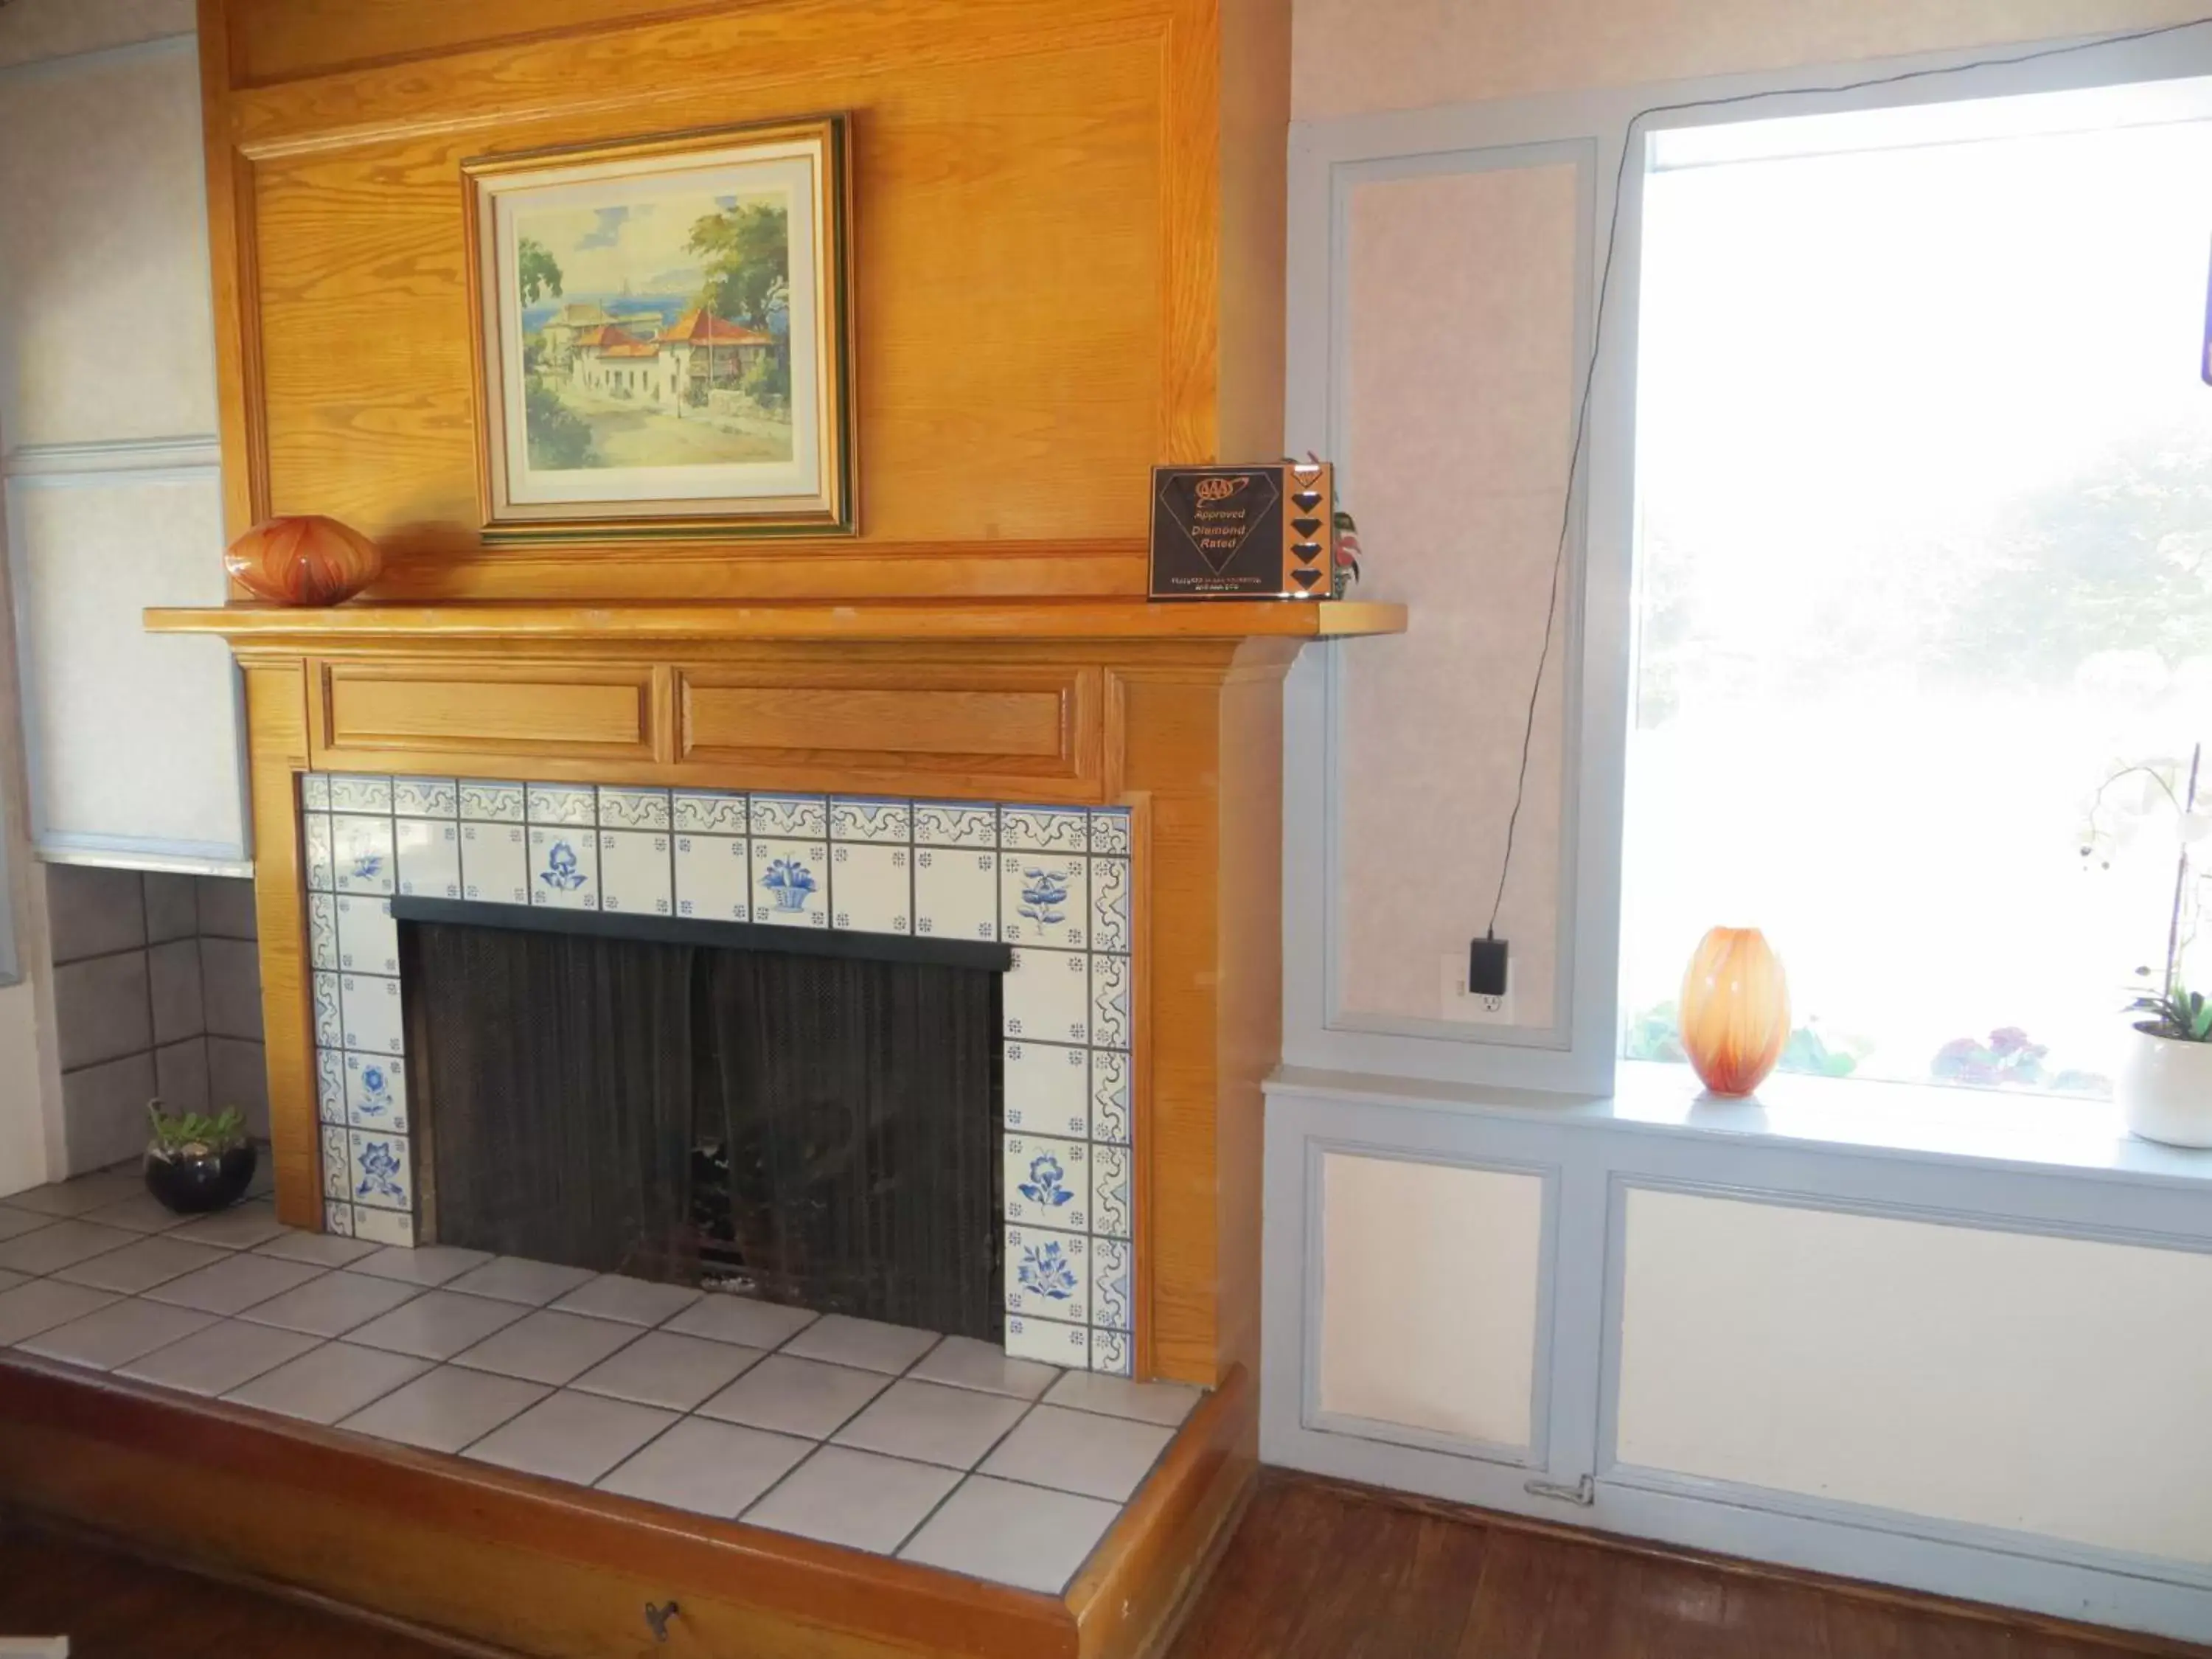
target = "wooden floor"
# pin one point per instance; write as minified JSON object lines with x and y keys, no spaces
{"x":1317,"y":1571}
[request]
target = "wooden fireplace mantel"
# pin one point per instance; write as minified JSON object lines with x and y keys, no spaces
{"x":248,"y":625}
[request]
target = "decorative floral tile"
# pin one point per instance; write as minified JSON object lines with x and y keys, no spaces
{"x":1109,"y":1097}
{"x":1043,"y":900}
{"x":426,"y":798}
{"x":713,"y":878}
{"x":370,"y":1004}
{"x":1047,"y":1341}
{"x":576,"y":805}
{"x":788,"y":878}
{"x":564,"y":868}
{"x":635,"y":873}
{"x":336,"y":1182}
{"x":872,"y":888}
{"x":329,"y":1021}
{"x":315,"y":792}
{"x":711,"y":812}
{"x":368,"y":938}
{"x":384,"y":1226}
{"x":1048,"y":1274}
{"x":1109,"y":1001}
{"x":361,"y":853}
{"x":1110,"y":904}
{"x":379,"y":1171}
{"x":376,"y":1093}
{"x":1109,"y":1191}
{"x":351,"y":794}
{"x":489,"y":802}
{"x":633,"y":809}
{"x":793,"y":817}
{"x":322,"y":930}
{"x":330,"y":1086}
{"x":1109,"y":832}
{"x":1110,"y":1352}
{"x":955,"y":823}
{"x":955,"y":893}
{"x":1048,"y":1182}
{"x":1044,"y":829}
{"x":1112,"y":1305}
{"x":337,"y":1218}
{"x":1047,"y":996}
{"x":429,"y":851}
{"x":315,"y":840}
{"x":1047,"y":1089}
{"x":495,"y":864}
{"x":854,"y":819}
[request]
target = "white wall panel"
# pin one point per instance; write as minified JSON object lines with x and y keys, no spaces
{"x":105,"y":321}
{"x":1430,"y":1276}
{"x":133,"y":738}
{"x":2040,"y":1384}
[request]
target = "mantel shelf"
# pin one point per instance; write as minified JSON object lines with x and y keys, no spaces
{"x":919,"y":620}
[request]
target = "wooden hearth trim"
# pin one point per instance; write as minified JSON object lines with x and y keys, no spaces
{"x":548,"y":1569}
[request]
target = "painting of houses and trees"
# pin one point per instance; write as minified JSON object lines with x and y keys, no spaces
{"x":656,"y":331}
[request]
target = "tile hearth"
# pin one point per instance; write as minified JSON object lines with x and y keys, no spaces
{"x":940,"y":1450}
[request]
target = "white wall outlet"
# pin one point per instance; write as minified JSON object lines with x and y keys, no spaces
{"x":1474,"y":1010}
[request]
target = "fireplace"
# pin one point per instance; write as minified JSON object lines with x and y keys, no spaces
{"x":707,"y":887}
{"x":679,"y":1102}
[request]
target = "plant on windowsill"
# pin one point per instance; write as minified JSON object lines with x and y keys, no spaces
{"x":2164,"y":1084}
{"x":197,"y":1161}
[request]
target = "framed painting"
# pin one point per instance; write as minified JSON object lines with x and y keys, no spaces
{"x":663,"y":337}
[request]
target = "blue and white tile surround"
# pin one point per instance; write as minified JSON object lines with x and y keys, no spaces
{"x":1052,"y":882}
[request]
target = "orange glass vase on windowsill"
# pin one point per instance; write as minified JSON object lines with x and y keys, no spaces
{"x":1735,"y":1010}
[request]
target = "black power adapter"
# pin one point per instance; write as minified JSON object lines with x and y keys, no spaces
{"x":1485,"y":968}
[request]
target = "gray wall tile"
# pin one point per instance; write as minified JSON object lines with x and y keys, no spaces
{"x":174,"y":971}
{"x":237,"y":1075}
{"x":103,"y":1111}
{"x":101,"y":1010}
{"x":92,"y":912}
{"x":180,"y":1072}
{"x":226,"y":907}
{"x":172,"y":907}
{"x":230,"y":981}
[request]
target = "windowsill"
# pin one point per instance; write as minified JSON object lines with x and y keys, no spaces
{"x":2040,"y":1132}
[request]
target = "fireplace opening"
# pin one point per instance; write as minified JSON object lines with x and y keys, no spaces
{"x":817,"y":1128}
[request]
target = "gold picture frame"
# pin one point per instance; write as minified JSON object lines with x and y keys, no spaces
{"x":662,"y":334}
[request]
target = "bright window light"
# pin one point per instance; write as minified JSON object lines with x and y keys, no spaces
{"x":1925,"y":484}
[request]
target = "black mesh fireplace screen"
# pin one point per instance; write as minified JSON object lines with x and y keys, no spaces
{"x":814,"y":1129}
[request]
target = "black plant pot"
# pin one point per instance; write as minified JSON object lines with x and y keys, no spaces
{"x":189,"y":1186}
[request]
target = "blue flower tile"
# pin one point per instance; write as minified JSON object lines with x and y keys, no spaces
{"x":1048,"y":1274}
{"x":361,"y":853}
{"x":1048,"y":1182}
{"x":564,"y":868}
{"x":376,"y":1093}
{"x":380,"y":1172}
{"x":1044,"y":899}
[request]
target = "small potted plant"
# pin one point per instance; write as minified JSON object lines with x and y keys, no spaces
{"x":2164,"y":1084}
{"x":197,"y":1161}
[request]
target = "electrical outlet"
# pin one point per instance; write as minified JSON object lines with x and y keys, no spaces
{"x":1474,"y":1011}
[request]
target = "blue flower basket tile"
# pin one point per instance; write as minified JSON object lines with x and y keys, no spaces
{"x":789,"y":878}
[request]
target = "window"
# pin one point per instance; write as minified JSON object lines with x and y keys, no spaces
{"x":1924,"y":487}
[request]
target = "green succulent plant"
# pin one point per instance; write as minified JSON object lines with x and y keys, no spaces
{"x":195,"y":1134}
{"x":2183,"y":1015}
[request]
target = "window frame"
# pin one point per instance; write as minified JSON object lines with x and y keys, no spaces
{"x":1328,"y":160}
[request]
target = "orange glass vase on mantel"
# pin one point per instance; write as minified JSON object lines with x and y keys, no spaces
{"x":304,"y":559}
{"x":1735,"y":1010}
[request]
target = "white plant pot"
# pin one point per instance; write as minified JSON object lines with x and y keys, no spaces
{"x":2165,"y":1090}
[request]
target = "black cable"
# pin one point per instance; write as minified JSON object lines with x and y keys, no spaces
{"x":1597,"y":336}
